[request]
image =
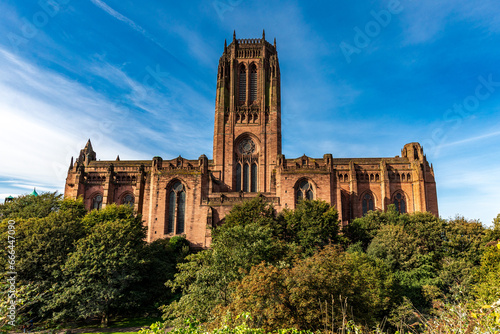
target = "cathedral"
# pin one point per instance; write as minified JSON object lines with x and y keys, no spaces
{"x":187,"y":197}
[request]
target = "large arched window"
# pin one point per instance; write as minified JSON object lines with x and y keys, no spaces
{"x":128,"y":200}
{"x":242,"y":88}
{"x":253,"y":83}
{"x":399,"y":201}
{"x":367,"y":203}
{"x":246,"y":172}
{"x":304,"y":191}
{"x":246,"y":177}
{"x":97,"y":202}
{"x":176,"y":208}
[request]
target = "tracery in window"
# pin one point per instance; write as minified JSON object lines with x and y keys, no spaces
{"x":97,"y":202}
{"x":246,"y":169}
{"x":304,"y":191}
{"x":367,"y":203}
{"x":128,"y":200}
{"x":399,"y":201}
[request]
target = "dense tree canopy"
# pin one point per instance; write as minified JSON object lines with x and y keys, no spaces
{"x":72,"y":264}
{"x":290,"y":269}
{"x":28,"y":206}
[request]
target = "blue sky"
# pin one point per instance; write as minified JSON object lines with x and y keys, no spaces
{"x":359,"y":79}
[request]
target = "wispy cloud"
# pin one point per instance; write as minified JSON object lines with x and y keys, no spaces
{"x":47,"y":119}
{"x":101,"y":4}
{"x":470,"y":140}
{"x":118,"y":16}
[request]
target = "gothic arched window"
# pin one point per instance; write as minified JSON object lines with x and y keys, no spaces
{"x":367,"y":203}
{"x":304,"y":191}
{"x":246,"y":165}
{"x":242,"y":88}
{"x":399,"y":201}
{"x":176,"y":208}
{"x":97,"y":202}
{"x":128,"y":200}
{"x":253,"y":83}
{"x":253,"y":187}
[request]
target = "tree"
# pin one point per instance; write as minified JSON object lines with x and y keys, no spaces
{"x":463,"y":245}
{"x":100,"y":276}
{"x":494,"y":232}
{"x":29,"y":206}
{"x":413,"y":249}
{"x":252,"y":234}
{"x":254,"y":211}
{"x":160,"y":264}
{"x":317,"y":291}
{"x":42,"y":246}
{"x":312,"y":225}
{"x":247,"y":238}
{"x":487,"y":288}
{"x":205,"y":278}
{"x":362,"y":230}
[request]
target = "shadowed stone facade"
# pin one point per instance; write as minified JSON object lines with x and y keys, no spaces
{"x":185,"y":197}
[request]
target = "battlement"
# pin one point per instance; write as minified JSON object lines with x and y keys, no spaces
{"x":249,"y":41}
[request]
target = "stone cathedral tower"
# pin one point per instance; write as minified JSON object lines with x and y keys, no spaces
{"x":247,"y":135}
{"x":179,"y":196}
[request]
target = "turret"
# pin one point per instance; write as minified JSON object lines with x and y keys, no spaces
{"x":87,"y":154}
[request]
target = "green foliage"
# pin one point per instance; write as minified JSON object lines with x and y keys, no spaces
{"x":100,"y":274}
{"x":42,"y":246}
{"x":487,"y":288}
{"x":206,"y":276}
{"x":71,"y":264}
{"x":463,"y":245}
{"x":312,"y":225}
{"x":110,"y":213}
{"x":494,"y":232}
{"x":412,"y":269}
{"x":363,"y":230}
{"x":252,"y":234}
{"x":244,"y":240}
{"x":28,"y":206}
{"x":255,"y":211}
{"x":315,"y":289}
{"x":412,"y":247}
{"x":178,"y":244}
{"x":160,"y":260}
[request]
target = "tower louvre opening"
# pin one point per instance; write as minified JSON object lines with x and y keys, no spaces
{"x":253,"y":84}
{"x":243,"y":85}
